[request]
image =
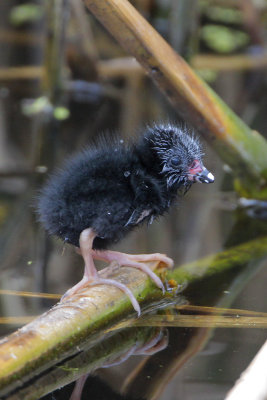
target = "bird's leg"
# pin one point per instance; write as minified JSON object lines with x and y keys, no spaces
{"x":136,"y":261}
{"x":91,"y":276}
{"x":158,"y":343}
{"x":78,"y":388}
{"x":90,"y":273}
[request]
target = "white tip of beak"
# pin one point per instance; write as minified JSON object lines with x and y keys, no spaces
{"x":210,"y":177}
{"x":205,"y":176}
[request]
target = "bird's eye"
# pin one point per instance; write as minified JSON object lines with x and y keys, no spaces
{"x":175,"y":161}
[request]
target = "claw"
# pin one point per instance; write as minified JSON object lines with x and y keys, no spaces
{"x":91,"y":276}
{"x":84,"y":283}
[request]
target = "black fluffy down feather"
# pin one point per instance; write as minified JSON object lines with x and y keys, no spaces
{"x":115,"y":186}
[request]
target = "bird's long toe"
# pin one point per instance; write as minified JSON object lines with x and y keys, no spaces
{"x":153,"y":257}
{"x":123,"y":288}
{"x":135,"y":261}
{"x":159,"y":342}
{"x":143,"y":267}
{"x":85,"y":282}
{"x":76,"y":288}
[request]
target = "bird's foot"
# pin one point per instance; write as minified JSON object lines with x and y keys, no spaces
{"x":152,"y":257}
{"x":91,"y":276}
{"x":85,"y":282}
{"x":136,"y":261}
{"x":123,"y":288}
{"x":158,"y":343}
{"x":78,"y":388}
{"x":76,"y":288}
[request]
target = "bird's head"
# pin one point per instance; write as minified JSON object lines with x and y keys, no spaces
{"x":180,"y":156}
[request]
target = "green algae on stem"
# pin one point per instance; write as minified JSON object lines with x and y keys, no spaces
{"x":221,"y":262}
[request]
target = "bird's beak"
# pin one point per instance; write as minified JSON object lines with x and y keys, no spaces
{"x":199,"y":173}
{"x":204,"y":176}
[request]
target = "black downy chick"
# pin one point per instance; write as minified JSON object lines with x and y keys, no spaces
{"x":104,"y":192}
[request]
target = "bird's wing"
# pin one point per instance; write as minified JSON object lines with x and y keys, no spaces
{"x":147,"y":198}
{"x":138,"y":215}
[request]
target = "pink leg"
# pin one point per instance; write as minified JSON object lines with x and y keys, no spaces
{"x":136,"y":261}
{"x":78,"y":388}
{"x":91,"y":276}
{"x":156,"y":344}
